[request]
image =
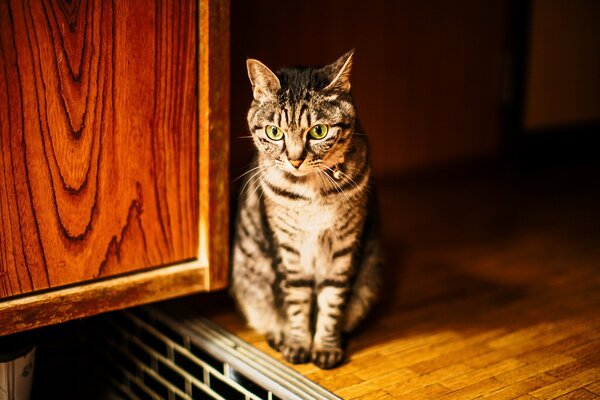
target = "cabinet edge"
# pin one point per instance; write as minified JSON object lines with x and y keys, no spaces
{"x":87,"y":299}
{"x":213,"y":105}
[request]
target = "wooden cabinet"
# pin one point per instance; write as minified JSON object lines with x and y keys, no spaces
{"x":114,"y":136}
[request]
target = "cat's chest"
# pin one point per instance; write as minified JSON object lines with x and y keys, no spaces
{"x":314,"y":237}
{"x":312,"y":219}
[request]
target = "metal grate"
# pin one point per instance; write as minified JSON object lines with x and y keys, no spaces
{"x":154,"y":356}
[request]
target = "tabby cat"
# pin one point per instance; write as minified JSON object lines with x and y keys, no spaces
{"x":306,"y":252}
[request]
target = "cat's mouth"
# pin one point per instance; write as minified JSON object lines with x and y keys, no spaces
{"x":300,"y":171}
{"x":310,"y":167}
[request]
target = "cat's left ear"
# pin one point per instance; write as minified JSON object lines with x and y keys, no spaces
{"x":339,"y":72}
{"x":265,"y":83}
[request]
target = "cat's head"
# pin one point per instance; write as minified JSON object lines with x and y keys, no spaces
{"x":302,"y":118}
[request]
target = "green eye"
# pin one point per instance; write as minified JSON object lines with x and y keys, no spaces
{"x":318,"y":131}
{"x":273,"y":132}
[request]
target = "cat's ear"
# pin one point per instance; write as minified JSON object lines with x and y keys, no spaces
{"x":339,"y":72}
{"x":265,"y":83}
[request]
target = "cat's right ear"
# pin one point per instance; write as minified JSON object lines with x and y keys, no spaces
{"x":265,"y":83}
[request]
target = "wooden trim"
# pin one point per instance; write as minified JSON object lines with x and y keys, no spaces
{"x":214,"y":139}
{"x":86,"y":299}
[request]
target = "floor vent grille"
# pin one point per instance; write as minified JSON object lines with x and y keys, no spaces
{"x":151,"y":355}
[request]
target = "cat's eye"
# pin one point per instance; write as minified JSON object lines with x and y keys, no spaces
{"x":318,"y":131}
{"x":273,"y":132}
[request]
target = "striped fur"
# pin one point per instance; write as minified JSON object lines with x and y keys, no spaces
{"x":306,"y":253}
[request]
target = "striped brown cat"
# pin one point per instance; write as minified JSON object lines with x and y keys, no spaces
{"x":306,"y":252}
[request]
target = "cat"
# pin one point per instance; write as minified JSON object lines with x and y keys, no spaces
{"x":306,"y":252}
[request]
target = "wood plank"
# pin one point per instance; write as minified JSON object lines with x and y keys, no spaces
{"x":578,"y":394}
{"x":452,"y":353}
{"x":531,"y":370}
{"x":427,"y":392}
{"x":78,"y":301}
{"x":491,"y":371}
{"x":426,"y":380}
{"x":567,"y":385}
{"x":521,"y":388}
{"x":532,"y":352}
{"x":99,"y":137}
{"x":339,"y":381}
{"x":560,"y":347}
{"x":594,"y":387}
{"x":585,"y":357}
{"x":375,"y":395}
{"x":474,"y":390}
{"x":353,"y":391}
{"x":405,"y":346}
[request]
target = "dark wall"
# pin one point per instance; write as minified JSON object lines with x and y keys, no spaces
{"x":427,"y":75}
{"x":563,"y":82}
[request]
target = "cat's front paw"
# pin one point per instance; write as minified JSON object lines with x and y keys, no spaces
{"x":327,"y":358}
{"x":295,"y":353}
{"x":275,"y":341}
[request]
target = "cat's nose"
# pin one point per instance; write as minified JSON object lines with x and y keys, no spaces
{"x":296,"y":163}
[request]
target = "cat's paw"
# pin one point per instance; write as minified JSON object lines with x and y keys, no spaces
{"x":327,"y":358}
{"x":295,"y":353}
{"x":275,"y":341}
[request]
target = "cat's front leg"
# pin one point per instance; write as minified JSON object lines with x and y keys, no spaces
{"x":327,"y":347}
{"x":297,"y":338}
{"x":332,"y":291}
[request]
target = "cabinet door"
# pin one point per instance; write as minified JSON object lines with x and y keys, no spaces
{"x":114,"y":142}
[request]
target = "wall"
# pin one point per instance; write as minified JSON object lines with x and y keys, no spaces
{"x":427,"y":77}
{"x":563,"y":83}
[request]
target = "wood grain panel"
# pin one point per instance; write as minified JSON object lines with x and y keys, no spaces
{"x":99,"y":138}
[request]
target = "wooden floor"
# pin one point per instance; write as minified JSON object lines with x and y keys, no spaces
{"x":492,"y":292}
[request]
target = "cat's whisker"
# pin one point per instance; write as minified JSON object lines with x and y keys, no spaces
{"x":267,"y":174}
{"x":255,"y":175}
{"x":337,"y":187}
{"x":248,"y":181}
{"x":349,"y":178}
{"x":318,"y":175}
{"x":247,"y":172}
{"x":320,"y":166}
{"x":256,"y":184}
{"x":321,"y":171}
{"x":324,"y":181}
{"x":345,"y":175}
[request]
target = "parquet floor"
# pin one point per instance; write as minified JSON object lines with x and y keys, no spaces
{"x":492,"y":292}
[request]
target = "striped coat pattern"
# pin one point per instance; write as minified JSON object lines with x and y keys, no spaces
{"x":306,"y":252}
